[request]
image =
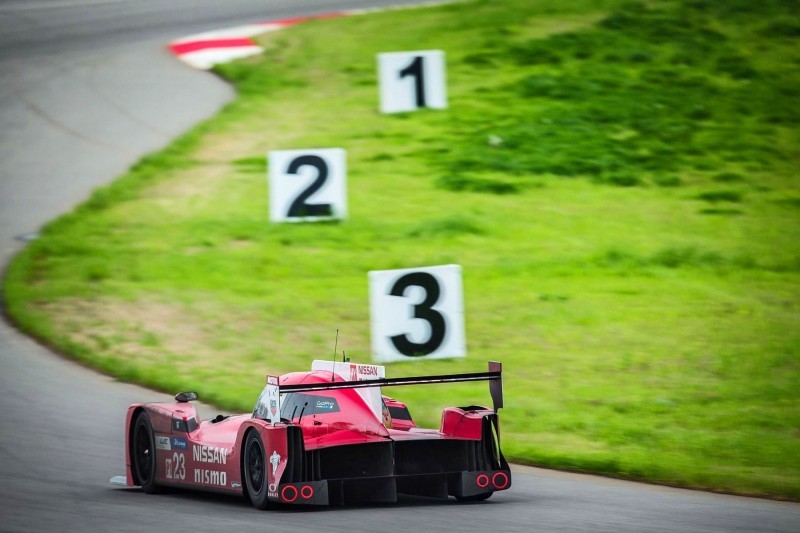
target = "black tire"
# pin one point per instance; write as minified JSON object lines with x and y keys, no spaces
{"x":143,"y":454}
{"x":256,"y":483}
{"x":475,"y":498}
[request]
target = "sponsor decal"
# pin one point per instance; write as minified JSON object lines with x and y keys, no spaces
{"x":368,"y":370}
{"x":268,"y":406}
{"x":350,"y":371}
{"x":178,"y":425}
{"x":275,"y":460}
{"x":236,"y":485}
{"x":179,"y":443}
{"x":162,"y":443}
{"x":210,"y":454}
{"x":211,"y":477}
{"x":324,"y":404}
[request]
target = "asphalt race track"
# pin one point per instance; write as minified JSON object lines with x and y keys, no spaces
{"x":88,"y":88}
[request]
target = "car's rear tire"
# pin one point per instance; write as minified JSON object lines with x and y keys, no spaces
{"x":475,"y":498}
{"x":256,"y":481}
{"x":143,"y":454}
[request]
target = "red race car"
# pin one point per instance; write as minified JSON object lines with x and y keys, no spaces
{"x":322,"y":437}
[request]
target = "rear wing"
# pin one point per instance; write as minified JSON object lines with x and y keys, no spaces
{"x":273,"y":389}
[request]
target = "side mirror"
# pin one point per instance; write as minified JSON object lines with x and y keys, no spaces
{"x":183,"y":397}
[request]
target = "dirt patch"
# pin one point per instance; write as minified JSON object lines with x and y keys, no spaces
{"x":202,"y":181}
{"x":204,"y":336}
{"x":143,"y":330}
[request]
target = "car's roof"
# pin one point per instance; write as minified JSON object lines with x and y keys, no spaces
{"x":313,"y":376}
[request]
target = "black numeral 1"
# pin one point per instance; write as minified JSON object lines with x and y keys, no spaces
{"x":416,"y":69}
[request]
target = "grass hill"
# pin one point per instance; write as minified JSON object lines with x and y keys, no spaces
{"x":618,"y":180}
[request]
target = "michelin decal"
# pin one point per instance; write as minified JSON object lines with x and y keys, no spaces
{"x":275,"y":460}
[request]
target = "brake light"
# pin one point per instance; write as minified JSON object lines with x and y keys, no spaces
{"x":306,"y":492}
{"x":482,"y":481}
{"x":500,"y":480}
{"x":289,"y":493}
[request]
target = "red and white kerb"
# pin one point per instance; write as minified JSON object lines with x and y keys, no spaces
{"x":204,"y":50}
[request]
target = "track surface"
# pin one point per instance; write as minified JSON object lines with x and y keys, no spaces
{"x":87,"y":88}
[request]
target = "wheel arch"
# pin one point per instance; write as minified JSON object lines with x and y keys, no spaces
{"x":266,"y":433}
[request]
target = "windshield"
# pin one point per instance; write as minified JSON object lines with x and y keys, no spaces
{"x":295,"y":403}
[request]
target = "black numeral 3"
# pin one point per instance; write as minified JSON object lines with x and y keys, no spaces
{"x":423,"y":310}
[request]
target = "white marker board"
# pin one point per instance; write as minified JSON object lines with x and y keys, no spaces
{"x":412,"y":80}
{"x":417,"y":313}
{"x":307,"y":185}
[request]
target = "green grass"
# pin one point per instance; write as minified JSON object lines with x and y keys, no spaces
{"x":618,"y":181}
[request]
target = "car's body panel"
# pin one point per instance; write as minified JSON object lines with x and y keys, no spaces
{"x":328,"y":447}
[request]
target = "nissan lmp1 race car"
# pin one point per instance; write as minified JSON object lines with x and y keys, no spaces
{"x":322,"y":437}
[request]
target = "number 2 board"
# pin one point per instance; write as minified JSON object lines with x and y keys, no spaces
{"x":307,"y":185}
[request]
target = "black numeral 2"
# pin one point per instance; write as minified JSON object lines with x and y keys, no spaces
{"x":416,"y":69}
{"x":299,"y":207}
{"x":423,"y":310}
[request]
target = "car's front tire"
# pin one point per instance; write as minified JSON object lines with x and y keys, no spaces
{"x":143,"y":454}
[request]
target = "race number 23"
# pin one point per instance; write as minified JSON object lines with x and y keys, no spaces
{"x":176,"y":466}
{"x":307,"y":185}
{"x":412,"y":80}
{"x":417,"y":313}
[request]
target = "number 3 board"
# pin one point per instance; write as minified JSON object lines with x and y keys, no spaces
{"x":417,"y":313}
{"x":307,"y":185}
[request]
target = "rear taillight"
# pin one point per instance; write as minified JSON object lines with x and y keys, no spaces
{"x":500,"y":480}
{"x":289,"y":493}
